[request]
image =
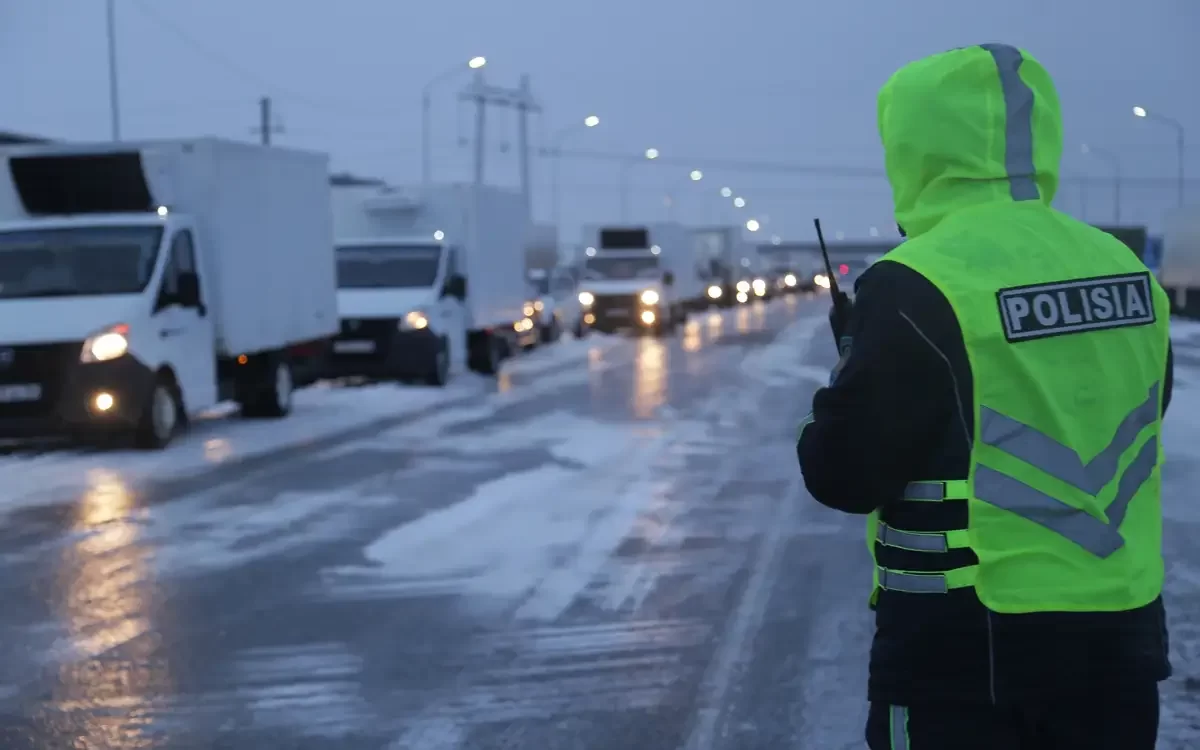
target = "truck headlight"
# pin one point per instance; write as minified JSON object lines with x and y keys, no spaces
{"x":743,"y":286}
{"x":715,"y":292}
{"x":414,"y":321}
{"x":790,"y":279}
{"x":586,"y":299}
{"x":106,"y":345}
{"x":649,"y":297}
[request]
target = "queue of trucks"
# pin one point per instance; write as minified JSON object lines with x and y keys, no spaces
{"x":144,"y":283}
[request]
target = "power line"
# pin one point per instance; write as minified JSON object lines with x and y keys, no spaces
{"x":242,"y":71}
{"x":811,"y":170}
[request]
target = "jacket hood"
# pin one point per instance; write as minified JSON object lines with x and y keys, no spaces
{"x":973,"y":125}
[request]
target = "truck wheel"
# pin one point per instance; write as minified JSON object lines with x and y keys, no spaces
{"x":272,"y":398}
{"x":160,"y":419}
{"x":551,"y":332}
{"x":439,"y":372}
{"x":486,"y":353}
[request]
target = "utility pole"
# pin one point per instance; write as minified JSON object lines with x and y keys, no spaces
{"x":266,"y":122}
{"x":114,"y":93}
{"x":521,"y":99}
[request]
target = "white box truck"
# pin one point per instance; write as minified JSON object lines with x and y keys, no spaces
{"x":641,"y":277}
{"x":1179,"y":267}
{"x":430,"y":281}
{"x":718,"y":253}
{"x":141,"y":283}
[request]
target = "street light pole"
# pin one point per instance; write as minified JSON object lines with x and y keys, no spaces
{"x":475,"y":63}
{"x":1112,"y":159}
{"x":1179,"y":144}
{"x":556,"y":142}
{"x":114,"y":96}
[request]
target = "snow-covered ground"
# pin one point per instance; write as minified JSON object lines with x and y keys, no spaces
{"x":220,"y":437}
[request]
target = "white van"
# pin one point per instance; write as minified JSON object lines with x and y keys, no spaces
{"x":142,"y":283}
{"x":430,"y":281}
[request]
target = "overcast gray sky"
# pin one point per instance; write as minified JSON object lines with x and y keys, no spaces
{"x":765,"y":80}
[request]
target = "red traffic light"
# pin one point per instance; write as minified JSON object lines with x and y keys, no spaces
{"x":843,"y":269}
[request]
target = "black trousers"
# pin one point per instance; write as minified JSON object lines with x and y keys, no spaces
{"x":1126,"y":720}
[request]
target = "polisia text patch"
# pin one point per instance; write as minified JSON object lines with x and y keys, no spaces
{"x":1039,"y":311}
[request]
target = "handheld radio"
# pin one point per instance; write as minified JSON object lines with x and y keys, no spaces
{"x":841,"y":301}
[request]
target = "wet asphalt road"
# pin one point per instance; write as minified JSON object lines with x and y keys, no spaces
{"x":607,"y":555}
{"x":575,"y":561}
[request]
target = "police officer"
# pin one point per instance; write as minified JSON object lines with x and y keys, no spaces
{"x":996,"y":417}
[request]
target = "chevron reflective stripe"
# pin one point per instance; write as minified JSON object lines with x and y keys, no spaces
{"x":1059,"y":461}
{"x":1094,"y":535}
{"x":1101,"y":538}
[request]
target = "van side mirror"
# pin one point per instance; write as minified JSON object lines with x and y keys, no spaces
{"x":189,"y":289}
{"x":668,"y":278}
{"x":456,"y":287}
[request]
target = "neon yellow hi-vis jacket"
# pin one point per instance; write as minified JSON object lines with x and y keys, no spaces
{"x":1066,"y":334}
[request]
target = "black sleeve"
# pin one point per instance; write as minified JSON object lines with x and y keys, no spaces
{"x":875,"y":427}
{"x":1168,"y":379}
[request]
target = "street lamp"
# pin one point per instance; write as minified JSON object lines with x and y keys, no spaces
{"x":752,"y":225}
{"x":1179,"y":141}
{"x":651,"y":153}
{"x":556,"y":141}
{"x":739,"y":201}
{"x":475,"y":63}
{"x":696,"y":175}
{"x":726,"y":192}
{"x":1112,"y":159}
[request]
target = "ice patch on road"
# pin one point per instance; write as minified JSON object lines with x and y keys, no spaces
{"x":782,"y":362}
{"x":566,"y":350}
{"x":539,"y":535}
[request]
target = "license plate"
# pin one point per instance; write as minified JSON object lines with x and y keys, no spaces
{"x":10,"y":394}
{"x":618,"y":313}
{"x":354,"y":347}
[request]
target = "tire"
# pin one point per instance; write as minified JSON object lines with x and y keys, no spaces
{"x":439,"y":368}
{"x":489,"y":352}
{"x":272,"y":399}
{"x":552,"y":332}
{"x":162,"y":416}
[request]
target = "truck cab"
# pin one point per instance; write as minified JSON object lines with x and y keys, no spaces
{"x":638,"y":277}
{"x":401,"y":308}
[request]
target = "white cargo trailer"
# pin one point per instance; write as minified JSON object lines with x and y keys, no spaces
{"x":431,"y":280}
{"x":1179,"y":267}
{"x":141,"y":283}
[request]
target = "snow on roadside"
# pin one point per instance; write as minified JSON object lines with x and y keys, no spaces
{"x":219,"y":437}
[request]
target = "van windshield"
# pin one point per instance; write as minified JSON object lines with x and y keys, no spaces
{"x":77,"y":261}
{"x":622,"y":268}
{"x":387,"y":266}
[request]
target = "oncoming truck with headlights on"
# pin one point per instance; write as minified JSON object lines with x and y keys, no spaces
{"x":142,"y":283}
{"x":639,"y":277}
{"x":430,"y":281}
